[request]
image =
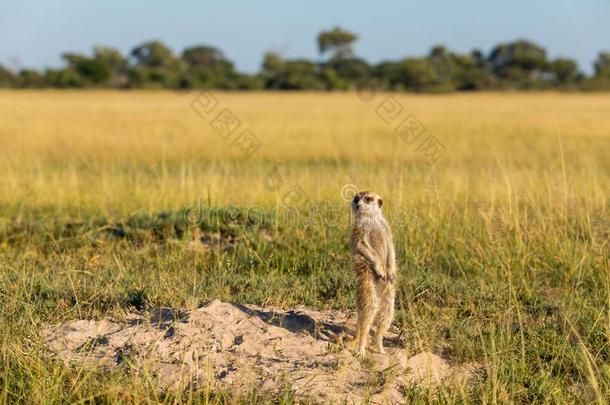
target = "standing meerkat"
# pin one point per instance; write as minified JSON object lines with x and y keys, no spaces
{"x":373,"y":261}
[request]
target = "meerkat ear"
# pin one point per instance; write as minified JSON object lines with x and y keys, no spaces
{"x":380,"y":202}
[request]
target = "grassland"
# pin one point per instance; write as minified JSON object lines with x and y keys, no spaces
{"x":503,"y":244}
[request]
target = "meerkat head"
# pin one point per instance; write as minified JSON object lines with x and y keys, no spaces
{"x":367,"y":203}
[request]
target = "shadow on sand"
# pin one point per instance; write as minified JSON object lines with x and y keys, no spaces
{"x":297,"y":322}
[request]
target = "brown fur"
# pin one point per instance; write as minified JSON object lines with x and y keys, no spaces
{"x":373,"y":262}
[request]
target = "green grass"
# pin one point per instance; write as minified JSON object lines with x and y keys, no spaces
{"x":533,"y":308}
{"x":505,"y":261}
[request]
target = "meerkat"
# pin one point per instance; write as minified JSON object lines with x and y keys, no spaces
{"x":373,"y":262}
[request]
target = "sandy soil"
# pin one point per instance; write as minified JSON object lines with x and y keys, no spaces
{"x":244,"y":347}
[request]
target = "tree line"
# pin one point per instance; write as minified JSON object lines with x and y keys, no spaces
{"x":520,"y":65}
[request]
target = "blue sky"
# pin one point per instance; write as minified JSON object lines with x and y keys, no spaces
{"x":35,"y":33}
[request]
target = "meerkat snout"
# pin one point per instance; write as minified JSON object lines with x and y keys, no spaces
{"x":367,"y":202}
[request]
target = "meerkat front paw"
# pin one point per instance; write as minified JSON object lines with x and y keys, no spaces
{"x":380,"y":273}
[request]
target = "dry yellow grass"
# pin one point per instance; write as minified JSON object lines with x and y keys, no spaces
{"x":120,"y":152}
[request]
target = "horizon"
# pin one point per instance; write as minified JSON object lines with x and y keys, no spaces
{"x":36,"y":36}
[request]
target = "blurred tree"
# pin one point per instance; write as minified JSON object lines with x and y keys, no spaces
{"x":7,"y":79}
{"x":332,"y":80}
{"x":564,"y":70}
{"x":337,"y":41}
{"x":272,"y":62}
{"x":110,"y":57}
{"x":208,"y":68}
{"x":387,"y":73}
{"x":206,"y":57}
{"x":602,"y":66}
{"x":90,"y":69}
{"x":115,"y":63}
{"x":152,"y":54}
{"x":441,"y":71}
{"x":478,"y":58}
{"x":415,"y":74}
{"x":272,"y":68}
{"x":290,"y":75}
{"x":522,"y":54}
{"x":471,"y":73}
{"x":247,"y":82}
{"x":601,"y":79}
{"x":155,"y":66}
{"x":345,"y":73}
{"x":519,"y":64}
{"x":30,"y":78}
{"x":64,"y":78}
{"x":444,"y":63}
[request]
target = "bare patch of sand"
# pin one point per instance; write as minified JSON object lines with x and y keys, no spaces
{"x":244,"y":347}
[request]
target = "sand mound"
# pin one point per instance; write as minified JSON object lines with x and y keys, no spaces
{"x":242,"y":348}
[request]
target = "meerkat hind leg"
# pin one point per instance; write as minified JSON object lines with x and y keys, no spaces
{"x":367,"y":310}
{"x":364,"y":326}
{"x":384,"y":317}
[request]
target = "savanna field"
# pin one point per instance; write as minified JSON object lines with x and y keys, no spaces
{"x":502,"y":243}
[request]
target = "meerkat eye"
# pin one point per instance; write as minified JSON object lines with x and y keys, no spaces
{"x":368,"y":199}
